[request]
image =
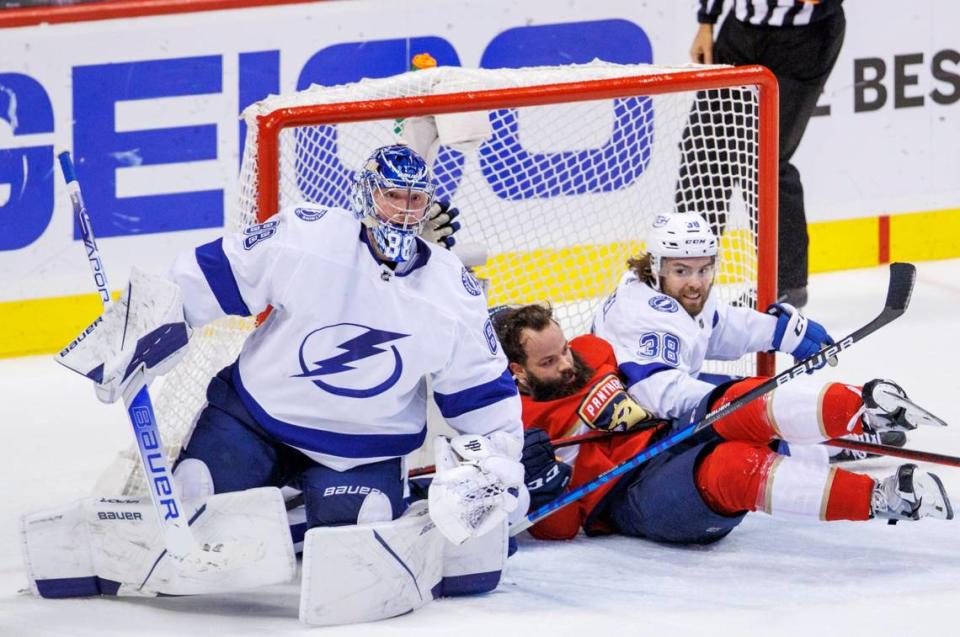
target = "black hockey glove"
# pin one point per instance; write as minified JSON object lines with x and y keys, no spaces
{"x":439,"y":225}
{"x":544,"y":475}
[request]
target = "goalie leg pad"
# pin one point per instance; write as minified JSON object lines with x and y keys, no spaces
{"x":365,"y":572}
{"x":476,"y":565}
{"x":115,"y":546}
{"x":56,"y":554}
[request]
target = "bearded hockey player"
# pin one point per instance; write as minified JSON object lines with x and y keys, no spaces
{"x":567,"y":389}
{"x":329,"y":393}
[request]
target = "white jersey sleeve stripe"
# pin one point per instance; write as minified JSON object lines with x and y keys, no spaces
{"x":216,"y":268}
{"x":476,"y":397}
{"x":503,"y":415}
{"x":329,"y":442}
{"x":635,"y":372}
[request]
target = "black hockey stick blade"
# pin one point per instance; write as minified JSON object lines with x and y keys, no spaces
{"x":902,"y":278}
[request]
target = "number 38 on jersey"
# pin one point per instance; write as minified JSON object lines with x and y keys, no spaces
{"x":662,"y":345}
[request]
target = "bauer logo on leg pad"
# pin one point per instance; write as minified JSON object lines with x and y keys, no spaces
{"x":352,"y":489}
{"x":119,"y":515}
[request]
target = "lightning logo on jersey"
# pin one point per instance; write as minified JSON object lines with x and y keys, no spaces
{"x":358,"y":359}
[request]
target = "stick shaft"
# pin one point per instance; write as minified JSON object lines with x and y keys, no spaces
{"x":86,"y":228}
{"x":896,"y":452}
{"x":170,"y":512}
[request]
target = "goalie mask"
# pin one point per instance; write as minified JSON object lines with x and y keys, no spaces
{"x":677,"y":236}
{"x":391,"y":195}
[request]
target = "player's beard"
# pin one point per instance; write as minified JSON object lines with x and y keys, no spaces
{"x":569,"y":384}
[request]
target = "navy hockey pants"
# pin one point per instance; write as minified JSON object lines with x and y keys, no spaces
{"x":241,"y":455}
{"x":660,"y":501}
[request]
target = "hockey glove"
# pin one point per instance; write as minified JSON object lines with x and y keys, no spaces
{"x":439,"y":225}
{"x":544,"y":475}
{"x":141,"y":336}
{"x":471,"y":492}
{"x":797,"y":335}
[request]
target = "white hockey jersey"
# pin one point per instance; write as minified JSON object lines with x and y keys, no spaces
{"x":338,"y":369}
{"x":660,"y":348}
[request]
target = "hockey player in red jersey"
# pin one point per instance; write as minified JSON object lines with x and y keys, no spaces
{"x":698,"y":491}
{"x":568,"y":389}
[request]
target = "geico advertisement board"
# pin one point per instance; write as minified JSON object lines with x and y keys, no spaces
{"x":149,"y":107}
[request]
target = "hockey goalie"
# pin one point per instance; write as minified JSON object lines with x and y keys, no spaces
{"x":328,"y":395}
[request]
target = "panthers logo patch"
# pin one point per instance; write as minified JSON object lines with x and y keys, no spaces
{"x":608,"y":407}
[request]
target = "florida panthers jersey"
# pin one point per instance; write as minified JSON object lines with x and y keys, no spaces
{"x":584,"y":410}
{"x":339,"y":368}
{"x":660,"y":348}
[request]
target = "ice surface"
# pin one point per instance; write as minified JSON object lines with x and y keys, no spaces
{"x":769,"y":577}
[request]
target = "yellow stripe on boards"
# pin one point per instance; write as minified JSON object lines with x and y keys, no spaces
{"x":925,"y":236}
{"x":43,"y":326}
{"x":842,"y":245}
{"x":40,"y":326}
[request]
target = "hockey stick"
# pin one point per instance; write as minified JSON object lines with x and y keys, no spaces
{"x":896,"y":452}
{"x":171,"y":514}
{"x":840,"y":443}
{"x":902,"y":276}
{"x":558,"y":443}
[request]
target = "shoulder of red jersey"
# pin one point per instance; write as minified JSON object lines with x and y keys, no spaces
{"x":594,"y":350}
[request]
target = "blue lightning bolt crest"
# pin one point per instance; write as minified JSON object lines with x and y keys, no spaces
{"x":357,"y":353}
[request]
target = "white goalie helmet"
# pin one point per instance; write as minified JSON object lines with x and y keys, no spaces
{"x":677,"y":235}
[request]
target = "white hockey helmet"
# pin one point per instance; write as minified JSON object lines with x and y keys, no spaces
{"x":676,"y":235}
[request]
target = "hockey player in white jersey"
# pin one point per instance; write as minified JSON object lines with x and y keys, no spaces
{"x":663,"y":321}
{"x":329,"y":393}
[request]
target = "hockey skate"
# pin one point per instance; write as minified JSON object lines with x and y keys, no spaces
{"x":887,"y":408}
{"x":910,"y":494}
{"x":887,"y":438}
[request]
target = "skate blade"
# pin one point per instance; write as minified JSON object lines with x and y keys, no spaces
{"x":918,"y":414}
{"x":944,"y":512}
{"x":914,"y":413}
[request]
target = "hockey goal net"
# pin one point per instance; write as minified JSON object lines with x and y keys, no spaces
{"x":557,"y":171}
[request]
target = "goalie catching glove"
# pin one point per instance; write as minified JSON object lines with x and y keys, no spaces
{"x":439,"y":225}
{"x":471,"y":492}
{"x":141,"y":336}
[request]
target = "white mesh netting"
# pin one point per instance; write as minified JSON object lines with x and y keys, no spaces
{"x":557,"y":195}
